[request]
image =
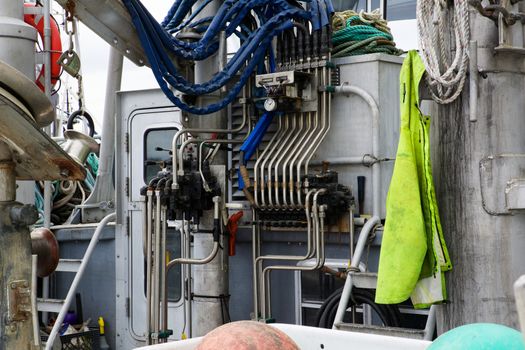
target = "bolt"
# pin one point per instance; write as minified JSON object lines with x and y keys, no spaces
{"x":13,"y":285}
{"x":64,"y":172}
{"x":12,"y":328}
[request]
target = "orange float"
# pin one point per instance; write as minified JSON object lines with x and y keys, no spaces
{"x":247,"y":335}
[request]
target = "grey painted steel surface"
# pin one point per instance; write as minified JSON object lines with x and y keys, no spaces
{"x":486,"y":248}
{"x":349,"y":141}
{"x":102,"y":198}
{"x":351,"y":131}
{"x":210,"y":280}
{"x":97,"y":288}
{"x":283,"y":296}
{"x":137,"y":113}
{"x":78,"y":277}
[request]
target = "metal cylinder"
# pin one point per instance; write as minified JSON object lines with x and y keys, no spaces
{"x":204,"y":71}
{"x":210,"y":280}
{"x":79,"y":145}
{"x":17,"y":39}
{"x":473,"y":164}
{"x":10,"y":8}
{"x":210,"y":287}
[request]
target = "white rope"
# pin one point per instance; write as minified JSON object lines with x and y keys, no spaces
{"x":445,"y":79}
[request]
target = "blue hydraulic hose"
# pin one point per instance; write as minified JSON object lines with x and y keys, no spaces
{"x":314,"y":9}
{"x":323,"y":13}
{"x":249,"y":146}
{"x":273,"y":65}
{"x":192,"y":16}
{"x":155,"y":41}
{"x":172,"y":11}
{"x":329,"y":6}
{"x":176,"y":101}
{"x":254,"y":139}
{"x":219,"y":79}
{"x":180,"y":13}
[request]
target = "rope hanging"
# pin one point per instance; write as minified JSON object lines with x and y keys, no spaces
{"x":362,"y":33}
{"x":445,"y":78}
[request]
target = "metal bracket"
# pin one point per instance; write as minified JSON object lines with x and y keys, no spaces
{"x":502,"y":184}
{"x":510,"y":27}
{"x":19,"y":301}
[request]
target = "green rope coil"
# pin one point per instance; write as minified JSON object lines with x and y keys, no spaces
{"x":362,"y":34}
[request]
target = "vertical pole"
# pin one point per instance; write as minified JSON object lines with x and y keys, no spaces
{"x":47,"y":89}
{"x":485,"y":243}
{"x":104,"y":190}
{"x":210,"y":279}
{"x":16,"y":328}
{"x":16,"y":331}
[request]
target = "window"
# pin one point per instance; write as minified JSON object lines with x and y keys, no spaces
{"x":174,"y":275}
{"x":343,"y":5}
{"x":395,"y":9}
{"x":157,"y":150}
{"x":400,"y":10}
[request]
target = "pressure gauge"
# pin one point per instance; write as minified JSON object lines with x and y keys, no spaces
{"x":270,"y":105}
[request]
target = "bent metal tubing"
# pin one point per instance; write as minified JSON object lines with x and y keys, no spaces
{"x":179,"y":133}
{"x":258,"y":259}
{"x":319,"y":215}
{"x":317,"y":250}
{"x":356,"y":259}
{"x":189,"y":261}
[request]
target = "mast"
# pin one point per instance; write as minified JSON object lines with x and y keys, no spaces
{"x":17,"y":46}
{"x":478,"y":168}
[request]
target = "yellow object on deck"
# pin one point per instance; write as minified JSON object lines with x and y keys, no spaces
{"x":413,"y":251}
{"x":101,"y":324}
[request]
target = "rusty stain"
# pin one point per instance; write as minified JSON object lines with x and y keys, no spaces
{"x":75,"y":170}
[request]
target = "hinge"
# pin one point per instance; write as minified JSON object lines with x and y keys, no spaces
{"x":126,"y":142}
{"x":127,"y":308}
{"x":126,"y":189}
{"x":127,"y":225}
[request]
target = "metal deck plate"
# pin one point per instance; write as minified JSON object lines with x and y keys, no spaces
{"x":36,"y":155}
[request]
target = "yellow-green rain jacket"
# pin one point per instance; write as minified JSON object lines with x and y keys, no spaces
{"x":413,"y":251}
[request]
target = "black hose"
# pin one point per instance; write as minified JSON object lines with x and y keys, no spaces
{"x":389,"y":314}
{"x":302,"y":33}
{"x":84,"y":114}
